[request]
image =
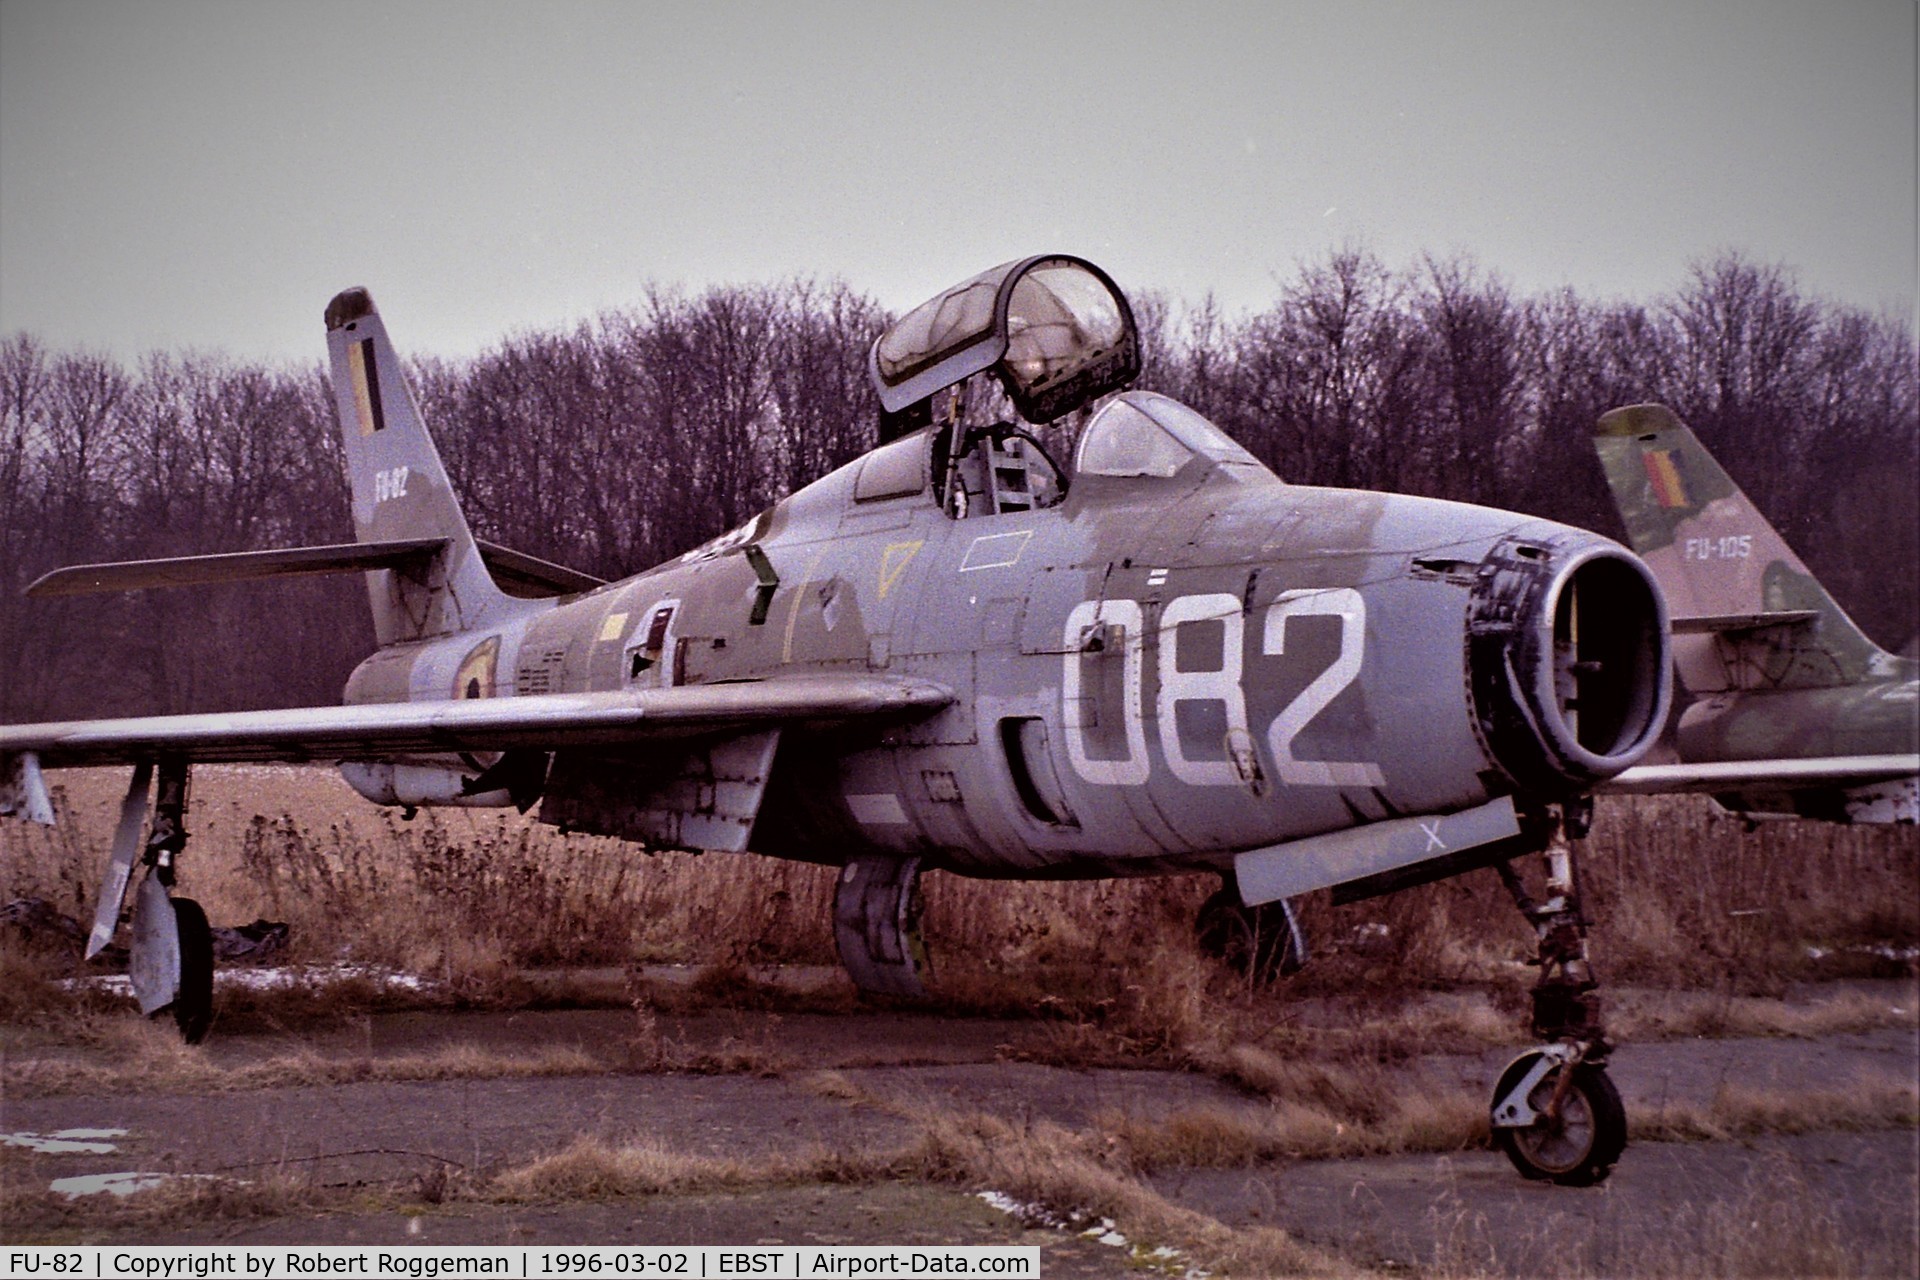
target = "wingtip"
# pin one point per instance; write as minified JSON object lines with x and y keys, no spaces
{"x":347,"y":306}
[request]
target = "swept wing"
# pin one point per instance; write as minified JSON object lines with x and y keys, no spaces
{"x":542,"y":721}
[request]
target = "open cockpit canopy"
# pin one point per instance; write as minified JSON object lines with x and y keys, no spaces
{"x":1054,"y":329}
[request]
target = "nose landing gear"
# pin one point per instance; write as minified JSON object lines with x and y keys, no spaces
{"x":1556,"y":1114}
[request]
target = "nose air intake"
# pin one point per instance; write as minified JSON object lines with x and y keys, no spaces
{"x":1567,"y":655}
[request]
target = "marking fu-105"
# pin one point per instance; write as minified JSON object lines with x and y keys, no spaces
{"x":956,"y":653}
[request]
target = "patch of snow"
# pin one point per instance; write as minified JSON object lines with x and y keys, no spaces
{"x":280,"y":978}
{"x":277,"y":978}
{"x":77,"y":1142}
{"x":1032,"y":1215}
{"x":1101,"y":1231}
{"x":119,"y":1184}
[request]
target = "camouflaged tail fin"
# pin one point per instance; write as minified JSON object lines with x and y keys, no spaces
{"x":400,"y":489}
{"x":1726,"y":571}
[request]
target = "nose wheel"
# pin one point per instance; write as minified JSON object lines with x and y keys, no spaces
{"x":1558,"y":1119}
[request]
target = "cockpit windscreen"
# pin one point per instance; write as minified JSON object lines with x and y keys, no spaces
{"x":1142,"y":433}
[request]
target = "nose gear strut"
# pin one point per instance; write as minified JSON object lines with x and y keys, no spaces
{"x":1555,"y":1112}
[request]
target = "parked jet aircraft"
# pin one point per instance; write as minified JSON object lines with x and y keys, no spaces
{"x":1794,"y":710}
{"x":955,"y":653}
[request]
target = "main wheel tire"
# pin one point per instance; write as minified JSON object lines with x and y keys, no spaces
{"x":193,"y":1005}
{"x":1582,"y":1146}
{"x":1255,"y":942}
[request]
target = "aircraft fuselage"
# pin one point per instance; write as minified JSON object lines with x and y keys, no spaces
{"x":1152,"y":674}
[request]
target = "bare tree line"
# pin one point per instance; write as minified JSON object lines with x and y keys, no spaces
{"x":626,"y":439}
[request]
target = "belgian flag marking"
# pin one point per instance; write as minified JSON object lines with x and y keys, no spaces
{"x":1669,"y":490}
{"x":366,"y":386}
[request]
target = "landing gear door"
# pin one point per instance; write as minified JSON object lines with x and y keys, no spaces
{"x":1055,"y":330}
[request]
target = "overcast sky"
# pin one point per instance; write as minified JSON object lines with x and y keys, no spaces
{"x":179,"y":173}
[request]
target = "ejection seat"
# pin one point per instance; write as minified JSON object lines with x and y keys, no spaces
{"x":1056,"y":333}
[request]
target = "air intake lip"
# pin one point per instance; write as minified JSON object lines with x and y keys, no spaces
{"x":1567,"y":657}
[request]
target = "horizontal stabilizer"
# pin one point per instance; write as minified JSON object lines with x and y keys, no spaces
{"x":516,"y":572}
{"x":237,"y":566}
{"x":1733,"y":623}
{"x":530,"y":577}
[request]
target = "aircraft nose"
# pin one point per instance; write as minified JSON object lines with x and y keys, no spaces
{"x":1567,"y":654}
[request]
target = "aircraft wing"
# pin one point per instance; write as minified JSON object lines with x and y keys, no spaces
{"x":540,"y":721}
{"x":1731,"y":775}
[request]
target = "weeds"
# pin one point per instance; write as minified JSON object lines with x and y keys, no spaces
{"x":1744,"y":1111}
{"x":1645,"y":1015}
{"x":37,"y":1214}
{"x":1774,"y":1224}
{"x":1683,"y":894}
{"x":1222,"y":1137}
{"x":1073,"y":1175}
{"x":592,"y":1170}
{"x":161,"y":1064}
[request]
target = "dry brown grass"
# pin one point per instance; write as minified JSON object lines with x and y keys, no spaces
{"x":590,"y":1169}
{"x":161,"y":1064}
{"x":1072,"y":1177}
{"x":1777,"y":1226}
{"x":1659,"y":1015}
{"x":1745,"y":1111}
{"x":1078,"y":1178}
{"x":37,"y":1215}
{"x":1310,"y":1111}
{"x":1684,"y":895}
{"x":1325,"y":1112}
{"x":1774,"y":1225}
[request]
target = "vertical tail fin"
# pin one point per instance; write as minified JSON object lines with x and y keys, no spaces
{"x":1725,"y":570}
{"x":400,"y":489}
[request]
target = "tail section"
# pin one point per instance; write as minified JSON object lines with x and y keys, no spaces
{"x":1726,"y":572}
{"x":400,"y":489}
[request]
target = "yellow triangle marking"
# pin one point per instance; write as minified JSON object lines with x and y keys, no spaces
{"x":894,"y":562}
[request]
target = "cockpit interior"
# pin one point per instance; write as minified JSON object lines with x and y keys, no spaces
{"x":1054,"y":333}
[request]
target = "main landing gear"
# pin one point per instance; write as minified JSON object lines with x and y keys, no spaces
{"x":1556,"y":1114}
{"x":170,"y":962}
{"x":1260,"y":943}
{"x":876,"y":926}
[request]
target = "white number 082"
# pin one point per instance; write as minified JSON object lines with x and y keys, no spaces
{"x":1124,"y":620}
